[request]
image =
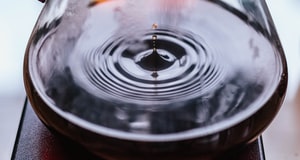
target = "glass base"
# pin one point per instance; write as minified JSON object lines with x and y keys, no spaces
{"x":36,"y":142}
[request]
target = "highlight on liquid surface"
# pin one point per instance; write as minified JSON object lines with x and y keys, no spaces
{"x":155,"y":67}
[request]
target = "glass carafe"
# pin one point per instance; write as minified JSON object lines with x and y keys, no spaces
{"x":156,"y":79}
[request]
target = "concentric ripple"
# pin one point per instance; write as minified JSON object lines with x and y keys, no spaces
{"x":200,"y":71}
{"x":160,"y":67}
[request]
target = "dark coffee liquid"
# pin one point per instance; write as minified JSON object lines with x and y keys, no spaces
{"x":160,"y":70}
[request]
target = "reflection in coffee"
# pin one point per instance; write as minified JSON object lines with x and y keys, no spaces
{"x":159,"y":70}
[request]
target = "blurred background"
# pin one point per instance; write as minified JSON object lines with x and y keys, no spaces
{"x":17,"y":19}
{"x":281,"y":139}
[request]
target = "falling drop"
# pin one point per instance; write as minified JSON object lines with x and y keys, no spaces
{"x":154,"y":74}
{"x":156,"y":59}
{"x":154,"y":26}
{"x":154,"y":38}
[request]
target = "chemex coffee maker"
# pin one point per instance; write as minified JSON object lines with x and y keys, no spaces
{"x":156,"y":79}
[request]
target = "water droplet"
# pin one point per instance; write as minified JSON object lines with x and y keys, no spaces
{"x":154,"y":26}
{"x":154,"y":37}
